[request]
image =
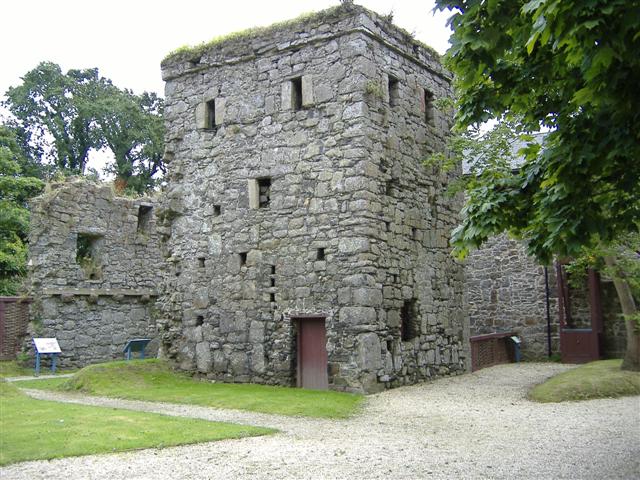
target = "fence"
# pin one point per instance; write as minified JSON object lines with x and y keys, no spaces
{"x":14,"y":317}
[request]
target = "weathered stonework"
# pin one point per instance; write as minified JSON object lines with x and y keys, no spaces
{"x":505,"y":291}
{"x":95,"y":269}
{"x":295,"y":187}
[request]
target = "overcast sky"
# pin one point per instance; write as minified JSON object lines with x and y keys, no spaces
{"x":127,"y":39}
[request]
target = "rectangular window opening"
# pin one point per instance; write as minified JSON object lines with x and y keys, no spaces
{"x":296,"y":93}
{"x":211,"y":115}
{"x":201,"y":262}
{"x":409,"y":327}
{"x":144,"y":218}
{"x":273,"y":282}
{"x":272,"y":297}
{"x":428,"y":106}
{"x":394,"y":91}
{"x":387,"y":226}
{"x":243,"y":258}
{"x":273,"y":269}
{"x":217,"y":210}
{"x":88,"y":254}
{"x":199,"y":320}
{"x":264,"y":192}
{"x":320,"y":254}
{"x":414,"y":233}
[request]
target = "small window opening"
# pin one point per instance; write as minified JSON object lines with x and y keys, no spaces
{"x":408,"y":320}
{"x":387,"y":226}
{"x":389,"y":346}
{"x":87,"y":255}
{"x":144,"y":218}
{"x":273,"y":269}
{"x":273,"y":282}
{"x":395,"y":278}
{"x":201,"y":262}
{"x":199,"y":320}
{"x":211,"y":115}
{"x":264,"y":192}
{"x":296,"y":93}
{"x":428,"y":106}
{"x":394,"y":91}
{"x":243,"y":258}
{"x":217,"y":210}
{"x":414,"y":233}
{"x":320,"y":254}
{"x":272,"y":297}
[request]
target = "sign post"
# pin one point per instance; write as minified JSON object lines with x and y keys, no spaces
{"x":135,"y":345}
{"x":46,"y":346}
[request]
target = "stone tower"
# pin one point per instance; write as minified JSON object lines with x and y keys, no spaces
{"x":307,"y":243}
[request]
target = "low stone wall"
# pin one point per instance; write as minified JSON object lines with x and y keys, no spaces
{"x":95,"y":270}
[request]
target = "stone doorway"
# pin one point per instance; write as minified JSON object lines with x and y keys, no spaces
{"x":312,"y":352}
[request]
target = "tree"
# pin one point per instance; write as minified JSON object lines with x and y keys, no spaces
{"x":66,"y":116}
{"x":570,"y":67}
{"x":15,"y":189}
{"x":131,"y":127}
{"x":52,"y":109}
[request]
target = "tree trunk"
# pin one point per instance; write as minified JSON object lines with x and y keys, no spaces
{"x":632,"y":355}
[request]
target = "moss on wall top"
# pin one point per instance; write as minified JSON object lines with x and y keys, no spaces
{"x":300,"y":23}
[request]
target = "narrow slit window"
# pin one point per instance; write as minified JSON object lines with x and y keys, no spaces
{"x":201,"y":262}
{"x":428,"y":106}
{"x":408,"y":320}
{"x":264,"y":192}
{"x":243,"y":258}
{"x":320,"y":254}
{"x":211,"y":115}
{"x":273,"y":269}
{"x":387,"y":226}
{"x":272,"y":297}
{"x":414,"y":233}
{"x":394,"y":91}
{"x":273,"y":282}
{"x":144,"y":218}
{"x":199,"y":321}
{"x":296,"y":93}
{"x":217,"y":210}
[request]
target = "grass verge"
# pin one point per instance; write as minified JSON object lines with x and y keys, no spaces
{"x":11,"y":368}
{"x":153,"y":381}
{"x":601,"y":379}
{"x":40,"y":430}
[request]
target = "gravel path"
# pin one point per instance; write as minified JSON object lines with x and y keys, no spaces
{"x":472,"y":426}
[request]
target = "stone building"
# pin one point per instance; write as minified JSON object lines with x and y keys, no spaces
{"x":94,"y":271}
{"x":307,"y":244}
{"x":506,"y":290}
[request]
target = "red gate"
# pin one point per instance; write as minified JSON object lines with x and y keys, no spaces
{"x":580,"y":345}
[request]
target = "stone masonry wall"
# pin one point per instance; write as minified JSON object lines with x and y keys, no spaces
{"x":95,"y":268}
{"x":295,"y":187}
{"x":506,"y":291}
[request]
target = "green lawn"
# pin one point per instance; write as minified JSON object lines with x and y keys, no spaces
{"x":602,"y":379}
{"x":10,"y":368}
{"x":39,"y":430}
{"x":153,"y":380}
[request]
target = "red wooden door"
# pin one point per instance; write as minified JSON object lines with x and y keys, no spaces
{"x":312,"y":353}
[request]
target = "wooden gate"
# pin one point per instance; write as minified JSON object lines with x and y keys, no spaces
{"x":312,"y":353}
{"x":14,"y":317}
{"x":580,"y":345}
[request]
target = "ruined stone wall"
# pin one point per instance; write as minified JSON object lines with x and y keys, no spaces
{"x":295,"y":187}
{"x":505,"y":290}
{"x":95,"y":269}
